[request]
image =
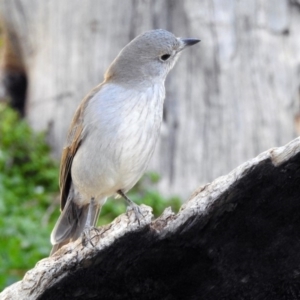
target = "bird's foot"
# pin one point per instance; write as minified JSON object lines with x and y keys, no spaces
{"x":133,"y":206}
{"x":137,"y":212}
{"x":87,"y":236}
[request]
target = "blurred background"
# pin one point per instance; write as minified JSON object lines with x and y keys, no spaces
{"x":232,"y":96}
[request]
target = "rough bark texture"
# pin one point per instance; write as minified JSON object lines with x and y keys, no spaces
{"x":228,"y":99}
{"x":236,"y":238}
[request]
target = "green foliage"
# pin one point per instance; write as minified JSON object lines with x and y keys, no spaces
{"x":28,"y":197}
{"x":28,"y":183}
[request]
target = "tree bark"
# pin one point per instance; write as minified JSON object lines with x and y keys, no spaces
{"x":236,"y":238}
{"x":227,"y":100}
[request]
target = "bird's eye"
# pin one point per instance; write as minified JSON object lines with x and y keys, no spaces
{"x":165,"y":57}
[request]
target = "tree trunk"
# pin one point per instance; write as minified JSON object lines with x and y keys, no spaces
{"x":228,"y":99}
{"x":236,"y":238}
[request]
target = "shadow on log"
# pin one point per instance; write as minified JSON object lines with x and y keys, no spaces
{"x":236,"y":238}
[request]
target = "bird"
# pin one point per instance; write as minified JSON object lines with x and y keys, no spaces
{"x":114,"y":132}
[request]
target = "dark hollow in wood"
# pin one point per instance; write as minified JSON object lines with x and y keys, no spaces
{"x":15,"y":84}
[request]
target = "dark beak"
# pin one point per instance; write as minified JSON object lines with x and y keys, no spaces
{"x":186,"y":43}
{"x":190,"y":42}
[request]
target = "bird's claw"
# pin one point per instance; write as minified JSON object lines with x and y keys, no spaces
{"x":137,"y":212}
{"x":86,"y":235}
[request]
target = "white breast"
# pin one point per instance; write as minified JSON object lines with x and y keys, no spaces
{"x":121,"y":130}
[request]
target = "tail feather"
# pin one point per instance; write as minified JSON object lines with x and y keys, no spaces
{"x":69,"y":225}
{"x":72,"y":222}
{"x":57,"y":246}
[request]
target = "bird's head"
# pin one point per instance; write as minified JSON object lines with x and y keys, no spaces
{"x":148,"y":58}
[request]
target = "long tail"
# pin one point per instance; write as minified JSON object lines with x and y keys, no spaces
{"x":72,"y":222}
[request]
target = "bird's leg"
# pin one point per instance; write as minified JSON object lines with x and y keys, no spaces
{"x":93,"y":214}
{"x":132,"y":205}
{"x":91,"y":220}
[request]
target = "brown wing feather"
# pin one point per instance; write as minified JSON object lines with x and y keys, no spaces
{"x":74,"y":139}
{"x":73,"y":142}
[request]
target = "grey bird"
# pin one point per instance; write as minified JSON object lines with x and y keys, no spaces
{"x":114,"y":131}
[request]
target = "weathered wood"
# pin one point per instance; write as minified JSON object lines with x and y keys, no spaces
{"x":236,"y":238}
{"x":232,"y":97}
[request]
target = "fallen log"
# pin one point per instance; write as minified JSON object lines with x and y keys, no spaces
{"x":236,"y":238}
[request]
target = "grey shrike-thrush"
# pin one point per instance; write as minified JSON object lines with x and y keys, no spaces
{"x":114,"y":131}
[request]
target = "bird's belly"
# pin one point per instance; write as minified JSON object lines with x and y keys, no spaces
{"x":117,"y":145}
{"x":117,"y":163}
